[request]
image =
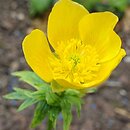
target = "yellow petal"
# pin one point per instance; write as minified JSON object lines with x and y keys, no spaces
{"x":37,"y":51}
{"x":96,"y":29}
{"x":109,"y":48}
{"x":63,"y":21}
{"x":106,"y":69}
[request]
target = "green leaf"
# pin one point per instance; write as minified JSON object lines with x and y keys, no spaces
{"x":78,"y":108}
{"x":28,"y":102}
{"x":32,"y":79}
{"x":78,"y":105}
{"x":39,"y":95}
{"x":49,"y":125}
{"x":19,"y":94}
{"x":53,"y":114}
{"x":75,"y":101}
{"x":26,"y":93}
{"x":67,"y":115}
{"x":40,"y":113}
{"x":15,"y":95}
{"x":74,"y":98}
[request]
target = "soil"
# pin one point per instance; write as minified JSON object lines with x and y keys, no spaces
{"x":108,"y":109}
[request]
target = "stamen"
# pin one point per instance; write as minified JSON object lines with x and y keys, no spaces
{"x":75,"y":61}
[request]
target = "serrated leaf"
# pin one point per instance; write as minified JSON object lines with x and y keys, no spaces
{"x":40,"y":113}
{"x":15,"y":95}
{"x":32,"y":79}
{"x":67,"y":115}
{"x":28,"y":102}
{"x":26,"y":93}
{"x":74,"y":98}
{"x":75,"y":101}
{"x":19,"y":94}
{"x":53,"y":114}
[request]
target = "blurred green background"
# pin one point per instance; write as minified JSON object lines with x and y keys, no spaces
{"x":37,"y":7}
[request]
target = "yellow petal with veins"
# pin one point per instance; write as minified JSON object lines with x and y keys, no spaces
{"x":110,"y":47}
{"x":63,"y":21}
{"x":106,"y":69}
{"x":96,"y":29}
{"x":37,"y":52}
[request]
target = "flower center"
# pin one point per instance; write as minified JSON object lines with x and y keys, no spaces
{"x":75,"y":62}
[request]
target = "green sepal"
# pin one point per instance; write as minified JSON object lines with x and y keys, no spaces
{"x":52,"y":98}
{"x":56,"y":87}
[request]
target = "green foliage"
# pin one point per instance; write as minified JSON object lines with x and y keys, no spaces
{"x":40,"y":113}
{"x":31,"y":78}
{"x":52,"y":98}
{"x":89,"y":4}
{"x":119,"y":4}
{"x":39,"y":6}
{"x":15,"y":95}
{"x":19,"y":94}
{"x":53,"y":115}
{"x":116,"y":6}
{"x":49,"y":104}
{"x":66,"y":112}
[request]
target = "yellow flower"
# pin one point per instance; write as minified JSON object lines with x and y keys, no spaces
{"x":86,"y":49}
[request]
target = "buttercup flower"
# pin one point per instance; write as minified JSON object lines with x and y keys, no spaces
{"x":86,"y":49}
